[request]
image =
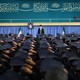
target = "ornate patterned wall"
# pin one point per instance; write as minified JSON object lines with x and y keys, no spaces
{"x":39,"y":11}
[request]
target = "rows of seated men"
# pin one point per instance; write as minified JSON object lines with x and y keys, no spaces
{"x":17,"y":57}
{"x":29,"y":58}
{"x":61,"y":51}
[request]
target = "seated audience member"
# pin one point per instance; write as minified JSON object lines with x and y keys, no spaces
{"x":56,"y":73}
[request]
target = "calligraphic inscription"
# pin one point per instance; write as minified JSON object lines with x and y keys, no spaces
{"x":71,"y":7}
{"x":55,"y":5}
{"x":8,"y":7}
{"x":40,"y":7}
{"x":25,"y":5}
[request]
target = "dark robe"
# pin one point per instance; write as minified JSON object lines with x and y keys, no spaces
{"x":40,"y":31}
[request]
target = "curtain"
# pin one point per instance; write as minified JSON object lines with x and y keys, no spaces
{"x":48,"y":30}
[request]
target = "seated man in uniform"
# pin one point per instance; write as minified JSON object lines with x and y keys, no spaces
{"x":56,"y":73}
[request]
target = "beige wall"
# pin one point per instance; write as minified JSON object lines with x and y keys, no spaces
{"x":44,"y":24}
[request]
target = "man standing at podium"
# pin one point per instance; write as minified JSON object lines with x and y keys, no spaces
{"x":40,"y":30}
